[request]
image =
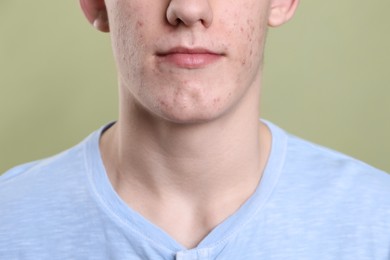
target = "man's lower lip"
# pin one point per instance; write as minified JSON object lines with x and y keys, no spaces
{"x":190,"y":60}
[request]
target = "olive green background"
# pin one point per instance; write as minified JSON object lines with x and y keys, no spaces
{"x":326,"y":78}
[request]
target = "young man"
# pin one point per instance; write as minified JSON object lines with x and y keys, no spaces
{"x":189,"y":171}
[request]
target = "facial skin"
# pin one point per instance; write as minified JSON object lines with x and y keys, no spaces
{"x":194,"y":86}
{"x":233,"y":30}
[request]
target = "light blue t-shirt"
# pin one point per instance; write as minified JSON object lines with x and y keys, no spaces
{"x":312,"y":203}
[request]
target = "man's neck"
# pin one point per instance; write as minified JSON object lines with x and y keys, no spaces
{"x":205,"y":170}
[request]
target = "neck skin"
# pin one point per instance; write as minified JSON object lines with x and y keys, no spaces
{"x":192,"y":175}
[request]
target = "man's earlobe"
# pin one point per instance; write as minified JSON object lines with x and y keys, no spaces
{"x":281,"y":11}
{"x":96,"y":13}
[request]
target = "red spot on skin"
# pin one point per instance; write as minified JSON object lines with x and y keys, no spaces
{"x":140,"y":24}
{"x":216,"y":100}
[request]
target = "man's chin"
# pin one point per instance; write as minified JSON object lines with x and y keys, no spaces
{"x":188,"y":118}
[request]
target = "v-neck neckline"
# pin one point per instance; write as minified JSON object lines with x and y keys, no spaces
{"x":121,"y":213}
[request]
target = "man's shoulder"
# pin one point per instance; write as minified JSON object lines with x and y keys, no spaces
{"x":324,"y":158}
{"x":331,"y":189}
{"x":336,"y":173}
{"x":324,"y":197}
{"x":56,"y":165}
{"x":48,"y":201}
{"x":305,"y":157}
{"x":46,"y":166}
{"x":34,"y":182}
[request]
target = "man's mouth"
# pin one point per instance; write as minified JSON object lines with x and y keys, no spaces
{"x":189,"y":58}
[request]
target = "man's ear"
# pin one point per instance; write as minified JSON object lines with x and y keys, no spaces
{"x":281,"y":11}
{"x":96,"y":13}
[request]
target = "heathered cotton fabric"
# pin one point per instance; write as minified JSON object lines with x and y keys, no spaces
{"x":312,"y":203}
